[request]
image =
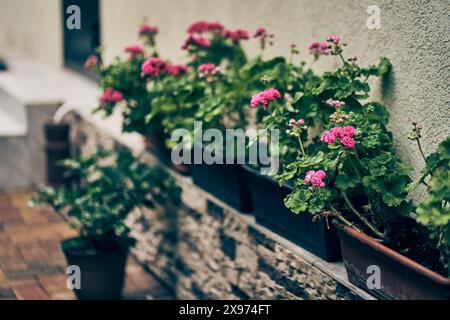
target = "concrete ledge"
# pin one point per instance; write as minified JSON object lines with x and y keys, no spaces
{"x":30,"y":94}
{"x":207,"y":250}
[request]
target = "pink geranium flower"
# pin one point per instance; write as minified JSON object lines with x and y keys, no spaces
{"x":134,"y":49}
{"x":205,"y":26}
{"x":235,"y":35}
{"x":347,"y":142}
{"x":319,"y":48}
{"x":147,"y":30}
{"x":335,"y":103}
{"x":264,"y":97}
{"x":333,"y":39}
{"x":91,"y":61}
{"x":153,"y":67}
{"x":207,"y":69}
{"x":260,"y":33}
{"x":176,"y":69}
{"x":293,"y":122}
{"x":195,"y":40}
{"x":328,"y":137}
{"x":344,"y":134}
{"x":315,"y":178}
{"x":111,"y":96}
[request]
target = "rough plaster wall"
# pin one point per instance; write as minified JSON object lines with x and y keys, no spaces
{"x":32,"y":28}
{"x":414,"y":35}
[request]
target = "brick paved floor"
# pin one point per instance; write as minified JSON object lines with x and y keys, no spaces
{"x":31,"y":263}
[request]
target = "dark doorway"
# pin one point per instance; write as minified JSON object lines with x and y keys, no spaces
{"x":80,"y":43}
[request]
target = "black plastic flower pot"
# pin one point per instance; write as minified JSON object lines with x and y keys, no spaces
{"x":267,"y":195}
{"x":102,"y":274}
{"x":227,"y":182}
{"x":155,"y":143}
{"x":57,"y":148}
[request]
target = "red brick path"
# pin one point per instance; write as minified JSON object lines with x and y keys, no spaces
{"x":32,"y":265}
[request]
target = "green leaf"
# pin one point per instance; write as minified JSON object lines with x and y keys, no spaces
{"x":344,"y":182}
{"x":297,"y":201}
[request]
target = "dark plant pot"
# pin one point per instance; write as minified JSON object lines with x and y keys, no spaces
{"x":400,"y":277}
{"x":267,"y":196}
{"x":226,"y":182}
{"x":155,"y":144}
{"x":102,"y":273}
{"x":57,"y":148}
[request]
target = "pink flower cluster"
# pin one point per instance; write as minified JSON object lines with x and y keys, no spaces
{"x":91,"y":61}
{"x":197,"y":41}
{"x":176,"y":69}
{"x":335,"y":103}
{"x":134,"y":50}
{"x":264,"y":97}
{"x":333,"y":39}
{"x":319,"y":48}
{"x":207,"y":69}
{"x":110,"y":95}
{"x":205,"y":26}
{"x":147,"y":30}
{"x":293,"y":122}
{"x":153,"y":67}
{"x":315,"y":178}
{"x":345,"y":135}
{"x":260,"y":33}
{"x":235,"y":35}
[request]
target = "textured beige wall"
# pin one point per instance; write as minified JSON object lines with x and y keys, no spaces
{"x":414,"y":34}
{"x":32,"y":28}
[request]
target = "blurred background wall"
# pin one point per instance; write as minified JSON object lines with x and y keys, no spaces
{"x":414,"y":35}
{"x":33,"y":29}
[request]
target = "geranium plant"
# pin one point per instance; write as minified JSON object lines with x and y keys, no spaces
{"x":434,"y":211}
{"x":277,"y":87}
{"x":304,"y":108}
{"x":133,"y":81}
{"x":351,"y":173}
{"x":208,"y":92}
{"x":107,"y":186}
{"x":349,"y":152}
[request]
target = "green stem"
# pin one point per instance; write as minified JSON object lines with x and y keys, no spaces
{"x":353,"y":165}
{"x":339,"y":216}
{"x":342,"y":58}
{"x":361,"y":217}
{"x":359,"y":176}
{"x":420,"y":149}
{"x":301,"y":145}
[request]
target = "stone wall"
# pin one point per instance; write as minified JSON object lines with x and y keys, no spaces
{"x":206,"y":250}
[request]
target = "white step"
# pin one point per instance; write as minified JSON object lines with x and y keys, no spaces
{"x":13,"y":118}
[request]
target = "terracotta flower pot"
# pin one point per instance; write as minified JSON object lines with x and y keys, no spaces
{"x":400,"y":277}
